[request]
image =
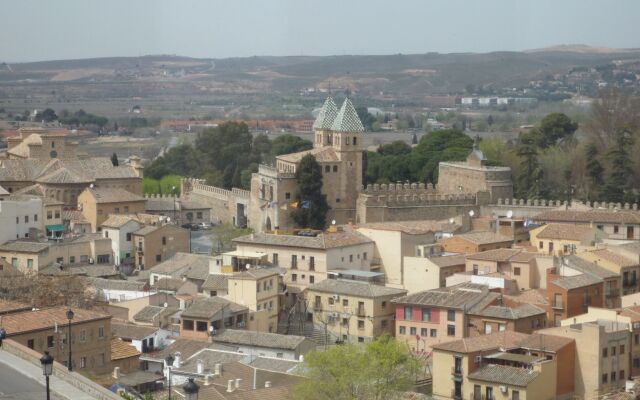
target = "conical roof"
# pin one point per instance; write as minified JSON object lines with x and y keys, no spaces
{"x":347,"y":119}
{"x":327,"y":114}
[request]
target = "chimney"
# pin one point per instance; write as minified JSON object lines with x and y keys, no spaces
{"x":177,"y":362}
{"x":267,"y":384}
{"x":230,"y":386}
{"x":238,"y":382}
{"x":116,"y":373}
{"x":207,"y":380}
{"x":200,"y":366}
{"x":217,"y":369}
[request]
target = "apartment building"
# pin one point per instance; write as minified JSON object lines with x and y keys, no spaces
{"x":602,"y":356}
{"x":257,"y":289}
{"x":120,"y":228}
{"x":99,"y":202}
{"x":475,"y":242}
{"x":504,"y":365}
{"x":20,"y":217}
{"x":526,"y":269}
{"x":570,"y":295}
{"x":264,"y":344}
{"x":353,"y":311}
{"x":156,"y":243}
{"x":576,"y":264}
{"x":559,"y":239}
{"x":205,"y":317}
{"x":616,"y":224}
{"x":47,"y":330}
{"x":617,"y":262}
{"x":310,"y":259}
{"x":424,"y":273}
{"x":523,"y":318}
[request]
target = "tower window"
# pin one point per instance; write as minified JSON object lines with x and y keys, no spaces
{"x":335,"y":168}
{"x":355,"y":140}
{"x":327,"y":168}
{"x":348,"y":140}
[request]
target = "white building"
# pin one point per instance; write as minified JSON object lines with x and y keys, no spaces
{"x":119,"y":290}
{"x":145,"y":339}
{"x":19,"y":214}
{"x":119,"y":229}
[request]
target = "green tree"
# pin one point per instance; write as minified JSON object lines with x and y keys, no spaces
{"x":366,"y":117}
{"x":312,"y":204}
{"x":595,"y":170}
{"x":617,"y":188}
{"x":46,"y":115}
{"x":397,"y":147}
{"x":287,"y":144}
{"x":554,"y":128}
{"x":379,"y":370}
{"x":114,"y":160}
{"x":434,"y":147}
{"x":530,"y":178}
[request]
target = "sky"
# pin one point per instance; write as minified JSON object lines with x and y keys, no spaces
{"x":33,"y":30}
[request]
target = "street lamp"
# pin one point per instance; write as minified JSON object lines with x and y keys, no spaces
{"x":3,"y":335}
{"x":47,"y":369}
{"x":191,"y":390}
{"x":69,"y":317}
{"x":169,"y":361}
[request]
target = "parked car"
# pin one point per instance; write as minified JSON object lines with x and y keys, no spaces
{"x":204,"y":226}
{"x":191,"y":226}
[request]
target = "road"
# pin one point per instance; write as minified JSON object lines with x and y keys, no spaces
{"x":16,"y":386}
{"x":201,"y":242}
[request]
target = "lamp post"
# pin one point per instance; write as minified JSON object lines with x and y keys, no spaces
{"x":169,"y":361}
{"x":69,"y":317}
{"x":47,"y":369}
{"x":3,"y":335}
{"x":191,"y":390}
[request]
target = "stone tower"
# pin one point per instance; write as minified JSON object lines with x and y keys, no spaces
{"x":322,"y":124}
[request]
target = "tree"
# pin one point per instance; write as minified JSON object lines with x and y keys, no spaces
{"x":434,"y":147}
{"x":617,"y":187}
{"x":312,"y":204}
{"x":287,"y":144}
{"x":554,"y":127}
{"x":366,"y":117}
{"x":397,"y":147}
{"x":414,"y":138}
{"x":114,"y":160}
{"x":613,"y":111}
{"x":379,"y":370}
{"x":47,"y":115}
{"x":595,"y":170}
{"x":530,"y":177}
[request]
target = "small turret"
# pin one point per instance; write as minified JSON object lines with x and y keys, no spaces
{"x":322,"y":124}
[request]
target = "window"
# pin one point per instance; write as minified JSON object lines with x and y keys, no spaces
{"x":621,"y":375}
{"x":30,"y":343}
{"x":327,"y":168}
{"x":312,"y":263}
{"x":501,"y":327}
{"x":274,"y":258}
{"x":35,"y":217}
{"x":541,"y":245}
{"x":345,"y":302}
{"x":402,"y":330}
{"x":487,"y":328}
{"x":434,"y":333}
{"x":84,"y":259}
{"x":613,"y":376}
{"x":164,"y":241}
{"x":601,"y":227}
{"x":616,"y":229}
{"x":128,"y":236}
{"x":489,"y":392}
{"x":424,"y":332}
{"x":384,"y":305}
{"x":335,"y":168}
{"x":413,"y":330}
{"x":294,"y":261}
{"x":383,"y":324}
{"x":621,"y":349}
{"x":516,"y":271}
{"x":83,"y":336}
{"x":14,"y":261}
{"x":258,"y":287}
{"x":407,"y":313}
{"x":350,"y":257}
{"x":605,"y":378}
{"x":29,"y":263}
{"x":605,"y":352}
{"x":101,"y":332}
{"x":287,"y":196}
{"x":294,"y":278}
{"x":126,"y":209}
{"x":636,"y":339}
{"x":636,"y":363}
{"x":451,"y":315}
{"x":26,"y":219}
{"x":117,"y":210}
{"x":337,"y":200}
{"x":158,"y":257}
{"x":355,"y":140}
{"x":360,"y":324}
{"x":106,"y":233}
{"x":348,"y":140}
{"x":280,"y":355}
{"x":426,"y":314}
{"x":103,"y":258}
{"x":364,"y":255}
{"x":83,"y":362}
{"x":58,"y":213}
{"x":613,"y":351}
{"x":50,"y":343}
{"x":72,"y":259}
{"x":49,"y":214}
{"x":451,"y":330}
{"x":199,"y":214}
{"x":515,"y":395}
{"x":201,"y":326}
{"x":187,"y":324}
{"x":360,"y":339}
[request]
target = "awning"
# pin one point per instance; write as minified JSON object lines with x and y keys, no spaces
{"x":55,"y":228}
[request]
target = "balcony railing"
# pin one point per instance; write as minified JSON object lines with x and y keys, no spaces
{"x":613,"y":292}
{"x":557,"y":305}
{"x":456,"y":370}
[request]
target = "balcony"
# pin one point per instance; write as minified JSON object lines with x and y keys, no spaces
{"x":457,"y":371}
{"x":612,"y":292}
{"x":629,"y":283}
{"x":361,"y":312}
{"x":558,"y":305}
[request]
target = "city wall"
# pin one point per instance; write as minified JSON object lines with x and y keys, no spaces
{"x":227,"y":206}
{"x":530,"y":208}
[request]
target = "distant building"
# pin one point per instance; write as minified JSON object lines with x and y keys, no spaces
{"x":154,"y":244}
{"x":98,"y":203}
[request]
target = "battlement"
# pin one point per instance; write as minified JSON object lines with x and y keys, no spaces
{"x":272,"y":172}
{"x":560,"y":203}
{"x":160,"y":196}
{"x":399,"y":188}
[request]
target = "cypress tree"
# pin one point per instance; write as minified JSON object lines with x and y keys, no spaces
{"x":114,"y":160}
{"x":617,"y":185}
{"x":312,"y":204}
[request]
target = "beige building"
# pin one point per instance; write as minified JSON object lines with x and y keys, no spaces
{"x":310,"y":259}
{"x":475,"y":242}
{"x":615,"y":223}
{"x":156,"y":243}
{"x":558,"y":239}
{"x":616,"y":260}
{"x":257,"y":289}
{"x":425,"y":273}
{"x":603,"y":354}
{"x":205,"y":317}
{"x":47,"y":330}
{"x":527,"y":270}
{"x":352,"y":311}
{"x":98,"y":203}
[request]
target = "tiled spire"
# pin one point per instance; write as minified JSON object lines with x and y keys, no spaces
{"x":347,"y":119}
{"x":327,"y":114}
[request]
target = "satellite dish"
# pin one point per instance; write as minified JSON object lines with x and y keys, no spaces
{"x":168,"y":219}
{"x":451,"y":220}
{"x":472,"y":213}
{"x":166,"y":304}
{"x":91,"y":186}
{"x":248,"y":266}
{"x":333,"y":222}
{"x":509,"y":214}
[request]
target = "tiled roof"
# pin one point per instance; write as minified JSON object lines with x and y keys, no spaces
{"x":576,"y":281}
{"x":46,"y":318}
{"x":565,"y":231}
{"x":209,"y":307}
{"x":347,"y":119}
{"x":74,"y":216}
{"x":617,"y":259}
{"x":89,"y":270}
{"x":256,"y":273}
{"x":64,"y":175}
{"x":7,"y":306}
{"x":216,"y":282}
{"x":187,"y":349}
{"x":192,"y":266}
{"x":544,"y":342}
{"x":117,"y":284}
{"x":595,"y":216}
{"x":113,"y":195}
{"x":510,"y":313}
{"x":499,"y":255}
{"x":504,"y":374}
{"x":161,"y":204}
{"x":505,"y":339}
{"x":461,"y":296}
{"x":322,"y":154}
{"x":587,"y":267}
{"x":22,"y":149}
{"x":633,"y":247}
{"x":24,"y":246}
{"x":131,"y":331}
{"x":121,"y":350}
{"x":409,"y":227}
{"x":29,"y":170}
{"x":324,"y":240}
{"x":117,"y":221}
{"x":168,"y":284}
{"x":148,"y":313}
{"x":532,"y":296}
{"x":483,"y":237}
{"x":327,"y":115}
{"x":146,"y":230}
{"x":448,"y":261}
{"x":355,"y":288}
{"x":259,"y":339}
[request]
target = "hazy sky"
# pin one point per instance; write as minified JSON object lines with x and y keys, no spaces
{"x":61,"y":29}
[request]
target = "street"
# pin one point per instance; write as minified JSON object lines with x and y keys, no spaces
{"x":14,"y":385}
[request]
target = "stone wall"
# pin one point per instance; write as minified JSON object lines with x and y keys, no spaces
{"x":227,"y":206}
{"x":530,"y":208}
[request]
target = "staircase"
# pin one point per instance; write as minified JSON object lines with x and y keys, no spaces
{"x":293,"y":326}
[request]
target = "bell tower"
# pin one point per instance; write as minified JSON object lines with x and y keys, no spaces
{"x":322,"y":124}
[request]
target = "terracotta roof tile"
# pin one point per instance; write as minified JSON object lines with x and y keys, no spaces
{"x":325,"y":240}
{"x":355,"y":288}
{"x":515,"y":376}
{"x":505,"y":339}
{"x":461,"y":296}
{"x":27,"y":321}
{"x":483,"y":237}
{"x":565,"y":232}
{"x":121,"y":350}
{"x":617,"y":259}
{"x":595,"y":216}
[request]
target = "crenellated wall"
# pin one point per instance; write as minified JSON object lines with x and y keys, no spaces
{"x":227,"y":206}
{"x":522,"y":208}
